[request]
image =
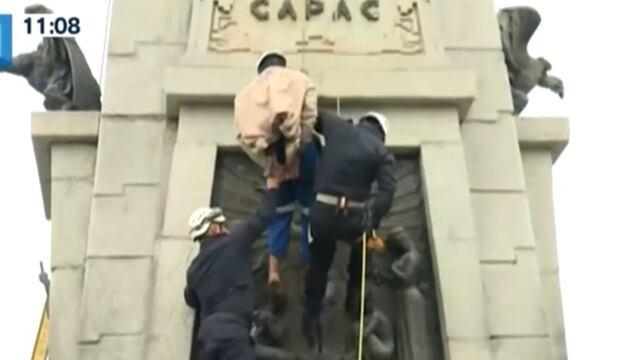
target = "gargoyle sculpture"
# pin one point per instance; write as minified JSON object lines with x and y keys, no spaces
{"x":517,"y":25}
{"x":58,"y":70}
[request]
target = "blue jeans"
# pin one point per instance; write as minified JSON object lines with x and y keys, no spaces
{"x":290,"y":192}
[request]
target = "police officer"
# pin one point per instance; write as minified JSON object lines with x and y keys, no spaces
{"x":354,"y":157}
{"x":219,"y":280}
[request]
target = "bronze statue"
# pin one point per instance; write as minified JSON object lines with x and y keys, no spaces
{"x":58,"y":70}
{"x":517,"y":25}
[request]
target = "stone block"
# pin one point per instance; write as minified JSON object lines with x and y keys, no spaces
{"x":115,"y":298}
{"x":537,"y":170}
{"x":207,"y":124}
{"x":514,"y":297}
{"x":478,"y":28}
{"x":494,"y":91}
{"x":452,"y":234}
{"x":70,"y":213}
{"x":129,"y":152}
{"x":555,"y":313}
{"x":521,"y":349}
{"x":125,"y":225}
{"x":493,"y":155}
{"x":64,"y":322}
{"x":435,"y":124}
{"x":503,"y":223}
{"x":158,"y":21}
{"x":129,"y":347}
{"x":468,"y":349}
{"x":192,"y":169}
{"x":171,"y":318}
{"x":134,"y":85}
{"x":73,"y":161}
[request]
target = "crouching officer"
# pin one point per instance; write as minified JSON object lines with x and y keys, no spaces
{"x":353,"y":158}
{"x":219,"y":280}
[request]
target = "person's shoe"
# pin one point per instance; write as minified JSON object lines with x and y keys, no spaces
{"x":277,"y":298}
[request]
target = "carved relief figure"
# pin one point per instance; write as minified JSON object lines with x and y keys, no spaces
{"x":58,"y":70}
{"x":517,"y":25}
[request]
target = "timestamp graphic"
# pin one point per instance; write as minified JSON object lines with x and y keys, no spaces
{"x":6,"y":50}
{"x":52,"y":25}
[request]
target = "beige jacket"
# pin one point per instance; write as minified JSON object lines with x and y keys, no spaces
{"x":279,"y":102}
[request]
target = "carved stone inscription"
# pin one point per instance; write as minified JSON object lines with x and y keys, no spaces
{"x":354,"y":27}
{"x":313,"y":8}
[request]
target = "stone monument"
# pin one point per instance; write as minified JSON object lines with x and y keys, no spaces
{"x":471,"y":270}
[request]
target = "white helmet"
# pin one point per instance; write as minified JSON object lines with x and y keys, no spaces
{"x":201,"y":219}
{"x":270,"y":53}
{"x":380,"y":119}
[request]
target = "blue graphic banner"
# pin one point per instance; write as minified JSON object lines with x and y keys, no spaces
{"x":6,"y":52}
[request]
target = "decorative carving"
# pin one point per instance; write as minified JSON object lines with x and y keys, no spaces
{"x":58,"y":70}
{"x":517,"y":26}
{"x":232,"y":30}
{"x":287,"y":10}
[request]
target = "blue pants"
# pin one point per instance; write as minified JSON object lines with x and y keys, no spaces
{"x":290,"y":192}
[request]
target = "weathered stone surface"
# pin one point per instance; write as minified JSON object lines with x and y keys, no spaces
{"x":73,"y":161}
{"x":493,"y":83}
{"x":477,"y":28}
{"x":514,"y":297}
{"x":469,"y":349}
{"x":115,"y":298}
{"x":453,"y":240}
{"x":164,"y":21}
{"x":64,"y":321}
{"x":493,"y":155}
{"x":193,"y":169}
{"x":207,"y":124}
{"x":171,"y":318}
{"x":555,"y":313}
{"x":129,"y":347}
{"x":130,"y":152}
{"x":125,"y":225}
{"x":435,"y":124}
{"x":70,"y":212}
{"x":503,"y":223}
{"x":521,"y":349}
{"x":543,"y":133}
{"x":537,"y":169}
{"x":133,"y":85}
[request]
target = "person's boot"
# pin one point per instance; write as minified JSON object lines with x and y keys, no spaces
{"x":312,"y":330}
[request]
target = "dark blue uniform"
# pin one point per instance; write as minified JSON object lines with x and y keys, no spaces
{"x":220,"y":287}
{"x":353,"y":158}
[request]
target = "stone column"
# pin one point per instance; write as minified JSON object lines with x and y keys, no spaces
{"x":541,"y":142}
{"x":508,"y":253}
{"x":201,"y":130}
{"x":65,"y":148}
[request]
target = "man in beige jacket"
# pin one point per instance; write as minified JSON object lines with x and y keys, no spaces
{"x":275,"y":115}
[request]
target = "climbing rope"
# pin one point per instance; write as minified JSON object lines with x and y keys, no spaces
{"x":362,"y":295}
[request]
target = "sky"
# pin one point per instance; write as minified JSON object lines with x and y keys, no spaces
{"x":596,"y":180}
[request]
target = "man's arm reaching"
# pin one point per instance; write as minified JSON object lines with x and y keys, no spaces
{"x":327,"y":122}
{"x":386,"y":188}
{"x":251,"y":229}
{"x":309,"y":114}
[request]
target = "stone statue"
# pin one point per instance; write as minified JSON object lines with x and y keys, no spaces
{"x":58,"y":70}
{"x":517,"y":25}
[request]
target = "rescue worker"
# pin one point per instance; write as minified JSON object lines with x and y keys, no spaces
{"x":275,"y":115}
{"x":353,"y":158}
{"x":219,"y":280}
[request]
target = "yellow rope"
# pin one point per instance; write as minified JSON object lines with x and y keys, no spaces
{"x":362,"y":296}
